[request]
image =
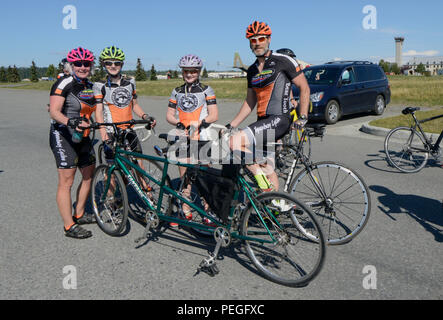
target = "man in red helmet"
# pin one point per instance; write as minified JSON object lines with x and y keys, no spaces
{"x":269,"y":86}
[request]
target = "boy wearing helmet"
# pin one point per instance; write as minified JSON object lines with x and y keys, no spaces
{"x":269,"y":85}
{"x":71,"y":105}
{"x":194,"y":104}
{"x":117,"y":99}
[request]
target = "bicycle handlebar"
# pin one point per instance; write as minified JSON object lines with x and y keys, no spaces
{"x":97,"y":125}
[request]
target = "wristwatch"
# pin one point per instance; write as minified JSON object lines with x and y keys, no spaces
{"x":303,"y":117}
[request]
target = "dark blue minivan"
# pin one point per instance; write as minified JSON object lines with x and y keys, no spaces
{"x":346,"y":87}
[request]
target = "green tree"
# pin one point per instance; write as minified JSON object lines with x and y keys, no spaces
{"x":420,"y":68}
{"x":153,"y":76}
{"x":99,"y":73}
{"x":12,"y":74}
{"x":395,"y":68}
{"x":16,"y":74}
{"x":140,"y":74}
{"x":205,"y":73}
{"x":175,"y":74}
{"x":34,"y":75}
{"x":386,"y":66}
{"x":51,"y":72}
{"x":3,"y":77}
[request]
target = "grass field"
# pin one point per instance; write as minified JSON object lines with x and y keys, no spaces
{"x":417,"y":91}
{"x":434,"y":126}
{"x":408,"y":90}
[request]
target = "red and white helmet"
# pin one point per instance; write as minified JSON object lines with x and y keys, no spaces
{"x":80,"y":54}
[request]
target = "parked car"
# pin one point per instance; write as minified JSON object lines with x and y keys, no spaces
{"x":346,"y":87}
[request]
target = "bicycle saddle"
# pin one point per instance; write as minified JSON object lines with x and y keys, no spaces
{"x":409,"y":110}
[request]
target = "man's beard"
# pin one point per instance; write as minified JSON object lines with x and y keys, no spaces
{"x":265,"y":51}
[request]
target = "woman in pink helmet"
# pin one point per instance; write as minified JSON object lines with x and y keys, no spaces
{"x":71,"y":105}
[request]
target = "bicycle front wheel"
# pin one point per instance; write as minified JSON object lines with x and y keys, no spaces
{"x":101,"y":154}
{"x":288,"y":245}
{"x":406,"y":149}
{"x":137,"y":208}
{"x":337,"y":195}
{"x":109,"y":200}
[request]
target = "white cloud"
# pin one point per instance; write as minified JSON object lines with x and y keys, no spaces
{"x":428,"y":53}
{"x":338,"y":59}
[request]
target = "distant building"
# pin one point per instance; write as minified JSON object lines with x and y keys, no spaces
{"x":226,"y":74}
{"x":432,"y":64}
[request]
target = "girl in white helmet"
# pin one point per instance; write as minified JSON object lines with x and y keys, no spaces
{"x":192,"y":104}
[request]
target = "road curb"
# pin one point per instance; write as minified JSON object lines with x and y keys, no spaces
{"x":383,"y":132}
{"x":376,"y":131}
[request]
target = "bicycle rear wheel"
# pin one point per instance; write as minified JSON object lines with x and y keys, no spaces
{"x":290,"y":247}
{"x":337,"y":195}
{"x":406,"y":149}
{"x":110,"y":208}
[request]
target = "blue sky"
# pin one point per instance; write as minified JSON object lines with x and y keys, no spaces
{"x":160,"y":32}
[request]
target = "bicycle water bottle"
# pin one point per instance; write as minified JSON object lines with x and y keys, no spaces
{"x":77,"y":136}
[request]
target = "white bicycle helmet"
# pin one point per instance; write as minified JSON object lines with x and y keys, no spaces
{"x":190,"y":61}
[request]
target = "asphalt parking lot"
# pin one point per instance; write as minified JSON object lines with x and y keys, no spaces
{"x":402,"y":242}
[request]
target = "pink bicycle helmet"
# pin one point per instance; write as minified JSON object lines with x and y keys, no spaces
{"x":80,"y":54}
{"x":190,"y":61}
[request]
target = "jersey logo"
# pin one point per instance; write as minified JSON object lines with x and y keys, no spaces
{"x":188,"y":103}
{"x":262,"y":76}
{"x":86,"y":94}
{"x":121,"y":97}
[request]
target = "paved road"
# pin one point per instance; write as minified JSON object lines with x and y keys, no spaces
{"x":403,"y":239}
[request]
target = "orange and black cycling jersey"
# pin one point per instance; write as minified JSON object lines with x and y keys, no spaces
{"x":272,"y":85}
{"x":79,"y":97}
{"x":191,"y":103}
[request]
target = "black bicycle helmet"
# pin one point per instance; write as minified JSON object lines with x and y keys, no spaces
{"x":287,"y":52}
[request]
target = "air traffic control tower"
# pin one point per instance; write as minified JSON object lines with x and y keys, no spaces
{"x":398,"y":50}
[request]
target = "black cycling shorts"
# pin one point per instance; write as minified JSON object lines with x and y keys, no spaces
{"x":267,"y":130}
{"x":68,"y":154}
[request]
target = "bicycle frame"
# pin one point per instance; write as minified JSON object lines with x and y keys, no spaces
{"x":428,"y":141}
{"x":121,"y":163}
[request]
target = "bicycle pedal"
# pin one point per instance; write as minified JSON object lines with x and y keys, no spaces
{"x":211,"y":270}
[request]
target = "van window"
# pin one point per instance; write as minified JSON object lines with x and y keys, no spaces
{"x":321,"y":75}
{"x":348,"y":76}
{"x":377,"y":73}
{"x":362,"y":73}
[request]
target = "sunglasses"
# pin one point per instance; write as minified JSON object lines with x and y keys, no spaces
{"x":191,"y":71}
{"x":79,"y":64}
{"x":115,"y":63}
{"x":258,"y":39}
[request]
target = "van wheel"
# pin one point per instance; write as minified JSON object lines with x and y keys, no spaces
{"x":380,"y":105}
{"x":332,"y":112}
